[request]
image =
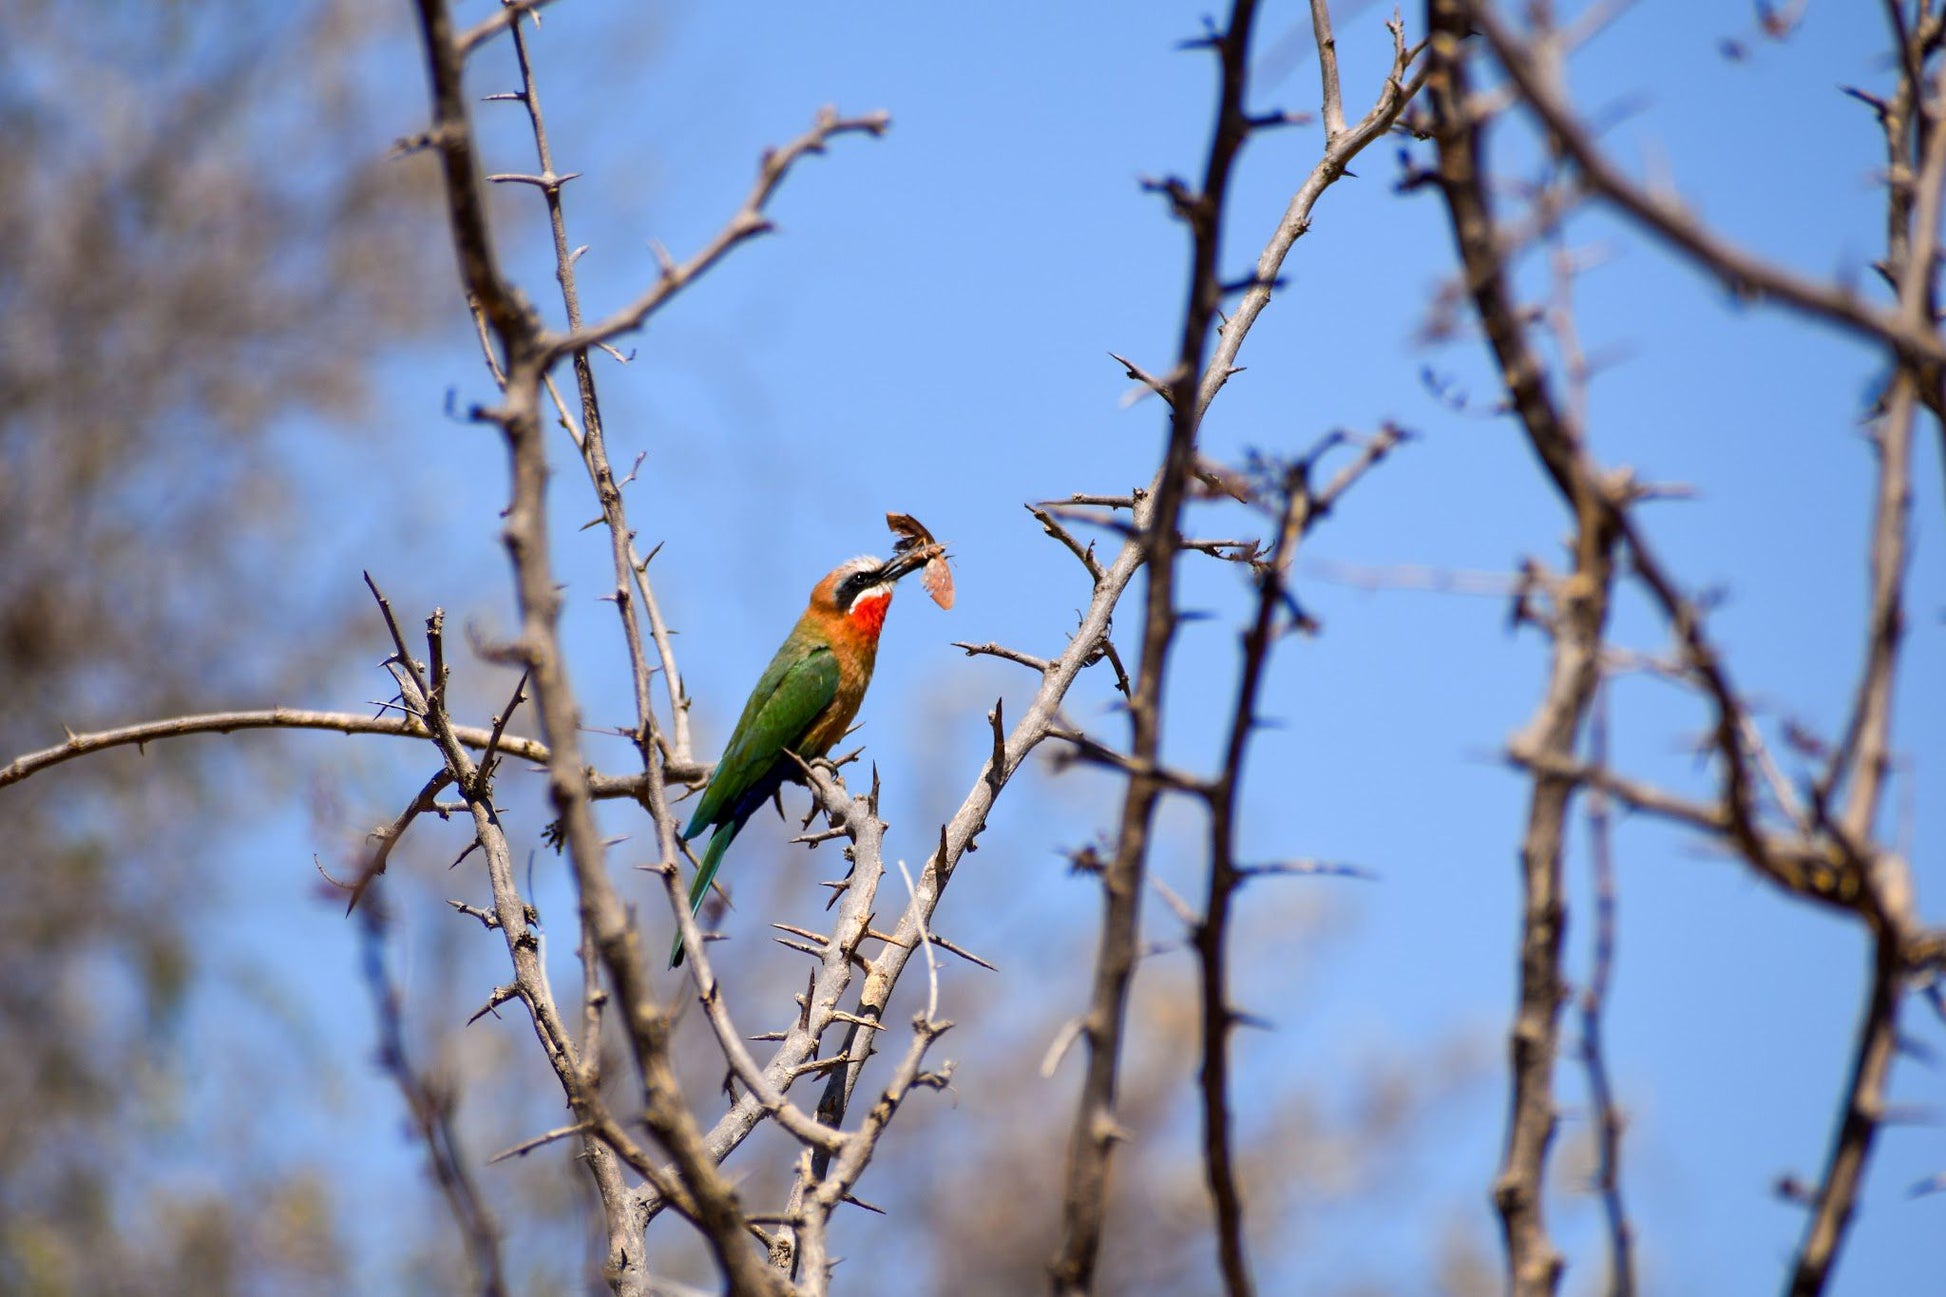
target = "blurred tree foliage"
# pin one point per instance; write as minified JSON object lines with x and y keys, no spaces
{"x":199,"y":240}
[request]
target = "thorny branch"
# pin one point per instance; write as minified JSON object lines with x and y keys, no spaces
{"x":296,"y":718}
{"x":1095,"y":1131}
{"x":1199,"y":373}
{"x":1301,"y":509}
{"x":431,"y":1105}
{"x":748,"y":223}
{"x":1830,"y":856}
{"x":1574,"y":674}
{"x":631,"y":569}
{"x":526,"y":351}
{"x":1087,"y":645}
{"x":424,"y":695}
{"x":1663,"y":215}
{"x":1605,"y":1115}
{"x":1917,"y":144}
{"x":1826,"y":850}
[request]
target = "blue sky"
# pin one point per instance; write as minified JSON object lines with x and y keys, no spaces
{"x":928,"y":333}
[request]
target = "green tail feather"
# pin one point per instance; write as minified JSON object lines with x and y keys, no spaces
{"x":719,"y":842}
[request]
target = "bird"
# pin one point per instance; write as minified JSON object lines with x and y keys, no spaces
{"x":802,"y":705}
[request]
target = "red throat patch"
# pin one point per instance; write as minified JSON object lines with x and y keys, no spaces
{"x":868,"y":613}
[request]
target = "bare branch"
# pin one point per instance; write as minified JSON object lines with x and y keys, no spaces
{"x":1011,"y":655}
{"x":1086,"y":553}
{"x":748,"y":222}
{"x":631,"y":571}
{"x":1095,"y":1130}
{"x":388,"y":837}
{"x":1836,"y":1197}
{"x":283,"y":718}
{"x":430,"y":1105}
{"x":1746,"y":275}
{"x":526,"y":1146}
{"x":528,"y":353}
{"x":1533,"y":1263}
{"x":1607,"y":1119}
{"x":510,"y":14}
{"x":1194,"y":383}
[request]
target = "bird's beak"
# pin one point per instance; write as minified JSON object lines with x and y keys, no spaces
{"x":902,"y":565}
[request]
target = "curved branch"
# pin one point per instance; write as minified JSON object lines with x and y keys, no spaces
{"x":295,"y":718}
{"x":1742,"y":273}
{"x":748,"y":222}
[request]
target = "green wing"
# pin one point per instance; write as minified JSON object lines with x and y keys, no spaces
{"x":795,"y":688}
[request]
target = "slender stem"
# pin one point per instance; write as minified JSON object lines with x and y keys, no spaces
{"x":1095,"y":1130}
{"x":1607,"y":1117}
{"x":297,"y":718}
{"x":1864,"y":1112}
{"x":1582,"y":603}
{"x":526,"y":353}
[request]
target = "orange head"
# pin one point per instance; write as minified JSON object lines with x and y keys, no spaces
{"x":852,"y":600}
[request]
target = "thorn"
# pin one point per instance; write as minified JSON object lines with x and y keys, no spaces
{"x":1931,"y":1184}
{"x":1145,"y":378}
{"x":963,"y":953}
{"x":1872,"y":101}
{"x":1249,"y":282}
{"x":501,"y":994}
{"x":805,"y":933}
{"x":1322,"y":868}
{"x":1057,"y":1048}
{"x":1176,"y":903}
{"x":1272,"y":120}
{"x":486,"y":917}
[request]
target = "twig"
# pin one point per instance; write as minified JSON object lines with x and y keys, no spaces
{"x":1746,"y":275}
{"x":526,"y":1146}
{"x":281,"y":718}
{"x":1211,"y":934}
{"x":1027,"y":660}
{"x":1836,"y":1197}
{"x":748,"y":222}
{"x":1393,"y":97}
{"x":631,"y":571}
{"x":1594,"y":999}
{"x":1533,"y":1263}
{"x":1195,"y":383}
{"x":1085,"y":553}
{"x":388,"y":837}
{"x":431,"y":1105}
{"x":510,"y":14}
{"x":1095,"y":1130}
{"x":1916,"y":195}
{"x":528,"y":352}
